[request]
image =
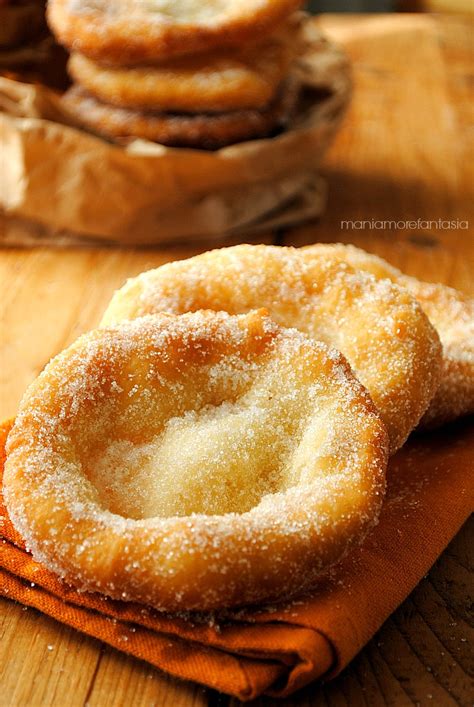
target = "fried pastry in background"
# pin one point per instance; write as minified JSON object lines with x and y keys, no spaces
{"x":452,"y":315}
{"x":253,"y":187}
{"x":248,"y":76}
{"x":129,"y":32}
{"x":181,"y":130}
{"x":379,"y":327}
{"x":187,"y":75}
{"x":195,"y":462}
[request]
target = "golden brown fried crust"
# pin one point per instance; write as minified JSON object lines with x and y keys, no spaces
{"x":219,"y":81}
{"x":379,"y":327}
{"x":195,"y":462}
{"x":452,"y":315}
{"x":131,"y":36}
{"x":181,"y":130}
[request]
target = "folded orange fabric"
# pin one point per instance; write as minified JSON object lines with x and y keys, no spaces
{"x":277,"y":650}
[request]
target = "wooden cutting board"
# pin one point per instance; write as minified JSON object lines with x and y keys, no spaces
{"x":404,"y":154}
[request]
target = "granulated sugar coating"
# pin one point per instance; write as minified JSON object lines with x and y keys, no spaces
{"x":380,"y":328}
{"x":452,"y":315}
{"x":195,"y":462}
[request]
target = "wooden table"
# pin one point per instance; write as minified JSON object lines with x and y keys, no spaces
{"x":403,"y":154}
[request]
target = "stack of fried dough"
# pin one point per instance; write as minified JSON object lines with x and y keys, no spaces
{"x":184,"y":73}
{"x":222,"y":438}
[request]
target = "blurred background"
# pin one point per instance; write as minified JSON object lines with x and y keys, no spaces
{"x":391,"y":6}
{"x":351,"y":6}
{"x":390,"y":123}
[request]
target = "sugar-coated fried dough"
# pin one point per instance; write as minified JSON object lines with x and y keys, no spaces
{"x":124,"y":32}
{"x":380,"y":328}
{"x":178,"y":129}
{"x":452,"y":315}
{"x":228,"y":79}
{"x":195,"y":462}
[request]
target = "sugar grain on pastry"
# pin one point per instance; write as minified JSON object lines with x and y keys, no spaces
{"x":195,"y":461}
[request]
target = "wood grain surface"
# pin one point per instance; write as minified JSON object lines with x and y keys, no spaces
{"x":404,"y":153}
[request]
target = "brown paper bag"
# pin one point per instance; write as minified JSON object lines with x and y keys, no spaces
{"x":72,"y":182}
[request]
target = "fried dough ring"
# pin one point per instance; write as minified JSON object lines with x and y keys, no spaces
{"x":195,"y":462}
{"x":202,"y":130}
{"x":120,"y":33}
{"x":381,"y":330}
{"x":225,"y":80}
{"x":452,"y":315}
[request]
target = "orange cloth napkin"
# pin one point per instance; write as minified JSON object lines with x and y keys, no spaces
{"x":277,"y":650}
